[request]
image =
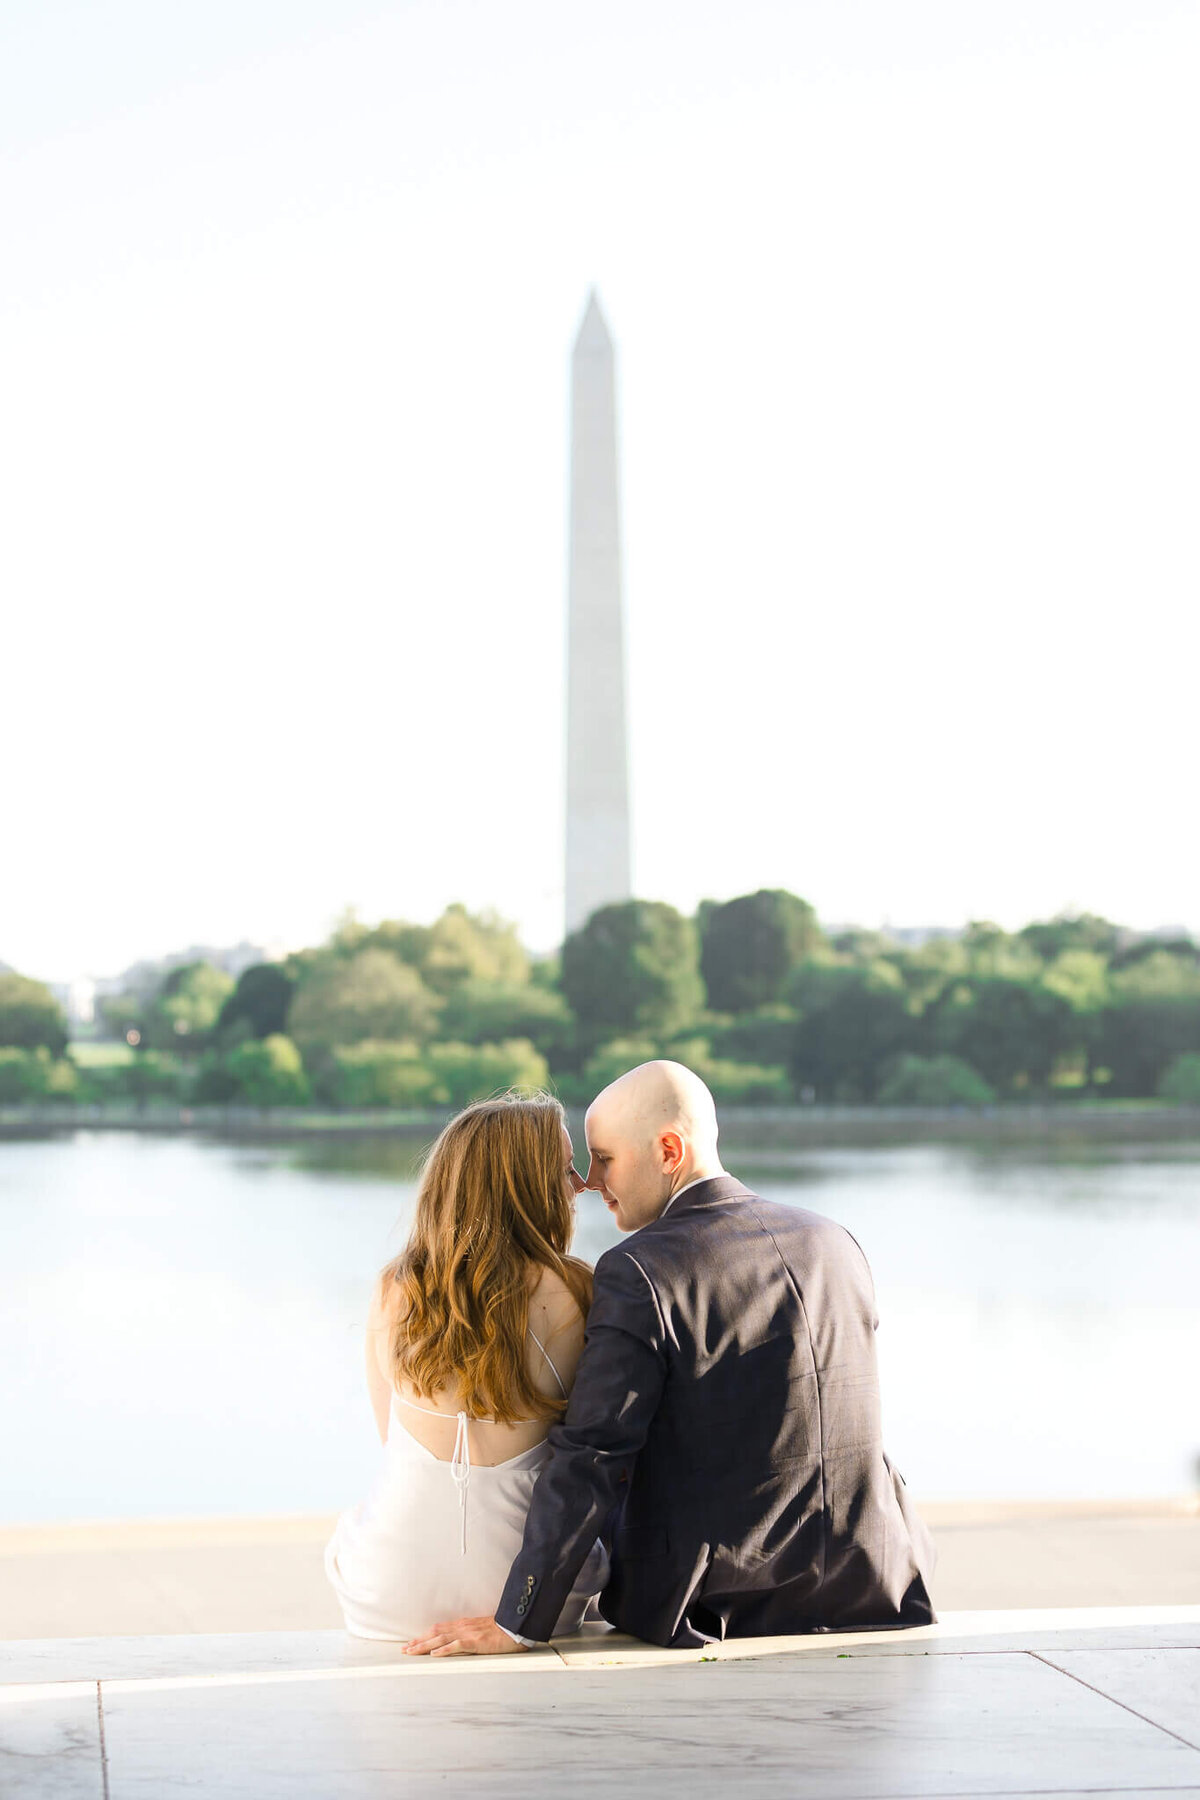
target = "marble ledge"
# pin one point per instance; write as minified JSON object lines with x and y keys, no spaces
{"x":236,"y":1656}
{"x":955,"y":1634}
{"x":59,"y":1665}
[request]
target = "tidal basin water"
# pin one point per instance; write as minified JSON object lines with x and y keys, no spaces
{"x":181,"y":1319}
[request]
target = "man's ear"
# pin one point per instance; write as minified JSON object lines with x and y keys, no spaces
{"x":673,"y":1150}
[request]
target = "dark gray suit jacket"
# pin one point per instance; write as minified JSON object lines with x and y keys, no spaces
{"x":723,"y":1433}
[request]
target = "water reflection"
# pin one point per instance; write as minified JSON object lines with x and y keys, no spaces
{"x":396,"y":1158}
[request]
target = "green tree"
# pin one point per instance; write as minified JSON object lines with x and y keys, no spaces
{"x":934,"y":1081}
{"x":1180,"y":1081}
{"x":1010,"y":1031}
{"x":1153,"y":1018}
{"x":749,"y":947}
{"x":32,"y":1075}
{"x":156,"y":1075}
{"x":1181,"y":951}
{"x":612,"y":1060}
{"x":1052,"y":938}
{"x":1158,"y":975}
{"x":268,"y":1072}
{"x":546,"y":972}
{"x":632,"y":969}
{"x":995,"y":953}
{"x":926,"y":970}
{"x":62,"y":1082}
{"x":859,"y":946}
{"x":853,"y":1021}
{"x":466,"y":1072}
{"x":375,"y":1074}
{"x":487,"y":1012}
{"x":467,"y":946}
{"x":407,"y":941}
{"x":746,"y":1084}
{"x":370,"y":995}
{"x":1080,"y":977}
{"x":183,"y":1015}
{"x":763,"y":1037}
{"x":30,"y":1016}
{"x":730,"y":1082}
{"x":258,"y":1005}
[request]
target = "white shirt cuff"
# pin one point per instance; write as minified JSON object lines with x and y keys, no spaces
{"x":529,"y":1643}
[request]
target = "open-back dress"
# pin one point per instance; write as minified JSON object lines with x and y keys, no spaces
{"x":434,"y":1540}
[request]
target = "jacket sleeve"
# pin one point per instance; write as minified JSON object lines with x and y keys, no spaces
{"x":615,"y":1396}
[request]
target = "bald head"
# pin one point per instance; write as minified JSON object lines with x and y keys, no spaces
{"x":657,"y":1096}
{"x":649,"y":1134}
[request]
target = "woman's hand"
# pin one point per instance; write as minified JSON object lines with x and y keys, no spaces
{"x":463,"y":1637}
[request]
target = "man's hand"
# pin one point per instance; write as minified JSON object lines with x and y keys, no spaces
{"x":463,"y":1637}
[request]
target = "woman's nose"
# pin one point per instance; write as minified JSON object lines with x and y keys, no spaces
{"x":578,"y":1184}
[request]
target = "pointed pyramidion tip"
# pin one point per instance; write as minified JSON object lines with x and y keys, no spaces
{"x":593,"y":330}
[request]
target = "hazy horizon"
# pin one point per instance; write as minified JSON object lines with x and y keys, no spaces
{"x":904,"y":307}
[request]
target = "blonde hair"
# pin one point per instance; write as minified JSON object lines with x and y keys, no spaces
{"x":493,"y":1205}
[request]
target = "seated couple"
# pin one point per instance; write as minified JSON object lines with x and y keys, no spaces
{"x":685,"y":1442}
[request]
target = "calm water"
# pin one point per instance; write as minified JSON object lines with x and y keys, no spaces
{"x":180,"y":1321}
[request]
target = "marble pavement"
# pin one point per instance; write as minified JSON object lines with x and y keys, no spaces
{"x":1064,"y":1703}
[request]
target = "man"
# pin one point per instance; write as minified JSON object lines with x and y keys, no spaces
{"x":724,"y":1428}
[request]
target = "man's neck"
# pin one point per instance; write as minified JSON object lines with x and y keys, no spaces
{"x":707,"y":1174}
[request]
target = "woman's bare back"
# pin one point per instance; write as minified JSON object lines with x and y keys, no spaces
{"x":555,"y":1327}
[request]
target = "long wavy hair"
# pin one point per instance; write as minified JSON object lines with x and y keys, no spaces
{"x":493,"y":1205}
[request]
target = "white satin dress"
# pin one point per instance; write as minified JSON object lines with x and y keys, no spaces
{"x":409,"y":1556}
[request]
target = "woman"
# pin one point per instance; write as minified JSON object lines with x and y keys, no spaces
{"x":473,"y":1338}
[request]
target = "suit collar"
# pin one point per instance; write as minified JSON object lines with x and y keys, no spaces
{"x":716,"y":1190}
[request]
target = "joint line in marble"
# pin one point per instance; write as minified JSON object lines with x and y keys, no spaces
{"x":1113,"y":1701}
{"x":103,"y":1745}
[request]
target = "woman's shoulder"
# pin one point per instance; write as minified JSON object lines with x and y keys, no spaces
{"x":387,"y":1300}
{"x":554,"y":1298}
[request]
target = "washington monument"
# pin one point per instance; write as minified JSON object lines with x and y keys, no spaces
{"x":597,"y":869}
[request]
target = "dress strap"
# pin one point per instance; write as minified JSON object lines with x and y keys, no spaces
{"x":562,"y":1386}
{"x":413,"y":1407}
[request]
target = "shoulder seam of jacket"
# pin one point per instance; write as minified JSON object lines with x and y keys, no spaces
{"x":658,"y":1312}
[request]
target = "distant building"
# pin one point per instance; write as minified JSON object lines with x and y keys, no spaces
{"x":904,"y":937}
{"x":145,"y":977}
{"x":597,"y":837}
{"x":912,"y":937}
{"x":77,"y":999}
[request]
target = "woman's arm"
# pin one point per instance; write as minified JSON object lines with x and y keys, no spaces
{"x":379,"y":1387}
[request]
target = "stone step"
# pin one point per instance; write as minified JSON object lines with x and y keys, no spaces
{"x":209,"y":1657}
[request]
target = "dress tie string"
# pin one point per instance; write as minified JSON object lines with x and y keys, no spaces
{"x":460,"y":1471}
{"x":460,"y":1461}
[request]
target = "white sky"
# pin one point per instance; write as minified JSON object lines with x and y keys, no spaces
{"x":905,"y":301}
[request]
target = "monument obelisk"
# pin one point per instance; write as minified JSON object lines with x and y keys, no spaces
{"x":597,"y":870}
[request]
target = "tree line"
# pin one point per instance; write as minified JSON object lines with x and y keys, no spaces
{"x":753,"y":993}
